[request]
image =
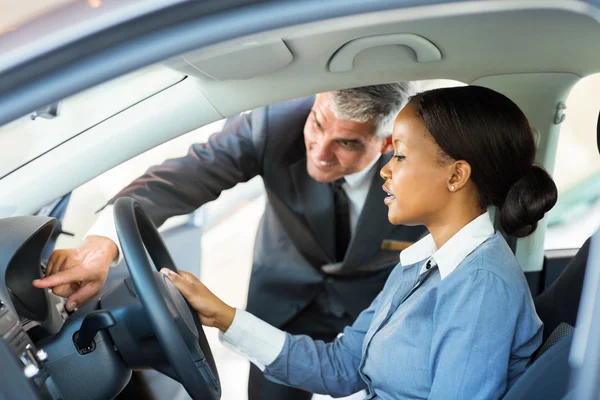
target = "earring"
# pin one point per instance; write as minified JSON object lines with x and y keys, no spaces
{"x":452,"y":188}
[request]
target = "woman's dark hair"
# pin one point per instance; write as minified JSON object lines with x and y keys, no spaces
{"x":490,"y":132}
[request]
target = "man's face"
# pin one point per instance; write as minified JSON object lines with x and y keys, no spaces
{"x":337,"y":147}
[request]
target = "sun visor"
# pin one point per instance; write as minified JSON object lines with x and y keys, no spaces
{"x":249,"y":60}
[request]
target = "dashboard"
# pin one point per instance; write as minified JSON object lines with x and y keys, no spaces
{"x":27,"y":314}
{"x":24,"y":372}
{"x":90,"y":353}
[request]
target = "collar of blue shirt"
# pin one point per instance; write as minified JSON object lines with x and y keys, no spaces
{"x":454,"y":250}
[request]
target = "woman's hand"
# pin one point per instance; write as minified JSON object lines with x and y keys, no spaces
{"x":211,"y":310}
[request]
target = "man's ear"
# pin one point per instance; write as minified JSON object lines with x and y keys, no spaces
{"x":386,"y":145}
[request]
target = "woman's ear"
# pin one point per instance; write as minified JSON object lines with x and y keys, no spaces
{"x":460,"y":174}
{"x":386,"y":145}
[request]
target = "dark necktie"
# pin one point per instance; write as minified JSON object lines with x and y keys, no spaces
{"x":342,"y":218}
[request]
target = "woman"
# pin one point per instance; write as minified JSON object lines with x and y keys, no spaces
{"x":455,"y":319}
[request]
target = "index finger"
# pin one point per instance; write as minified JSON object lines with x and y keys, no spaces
{"x":67,"y":276}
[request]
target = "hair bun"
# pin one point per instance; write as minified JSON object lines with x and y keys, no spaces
{"x":527,"y":201}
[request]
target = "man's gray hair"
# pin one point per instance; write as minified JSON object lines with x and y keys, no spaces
{"x":378,"y":103}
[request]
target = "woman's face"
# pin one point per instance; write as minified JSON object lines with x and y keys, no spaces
{"x":415,"y":178}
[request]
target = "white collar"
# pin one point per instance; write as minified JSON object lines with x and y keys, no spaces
{"x":356,"y":179}
{"x":454,"y":251}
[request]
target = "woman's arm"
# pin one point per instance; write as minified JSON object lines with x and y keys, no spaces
{"x":324,"y":368}
{"x":299,"y":361}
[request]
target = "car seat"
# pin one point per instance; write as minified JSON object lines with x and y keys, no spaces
{"x":549,"y":375}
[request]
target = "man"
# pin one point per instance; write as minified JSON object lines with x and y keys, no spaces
{"x":324,"y":247}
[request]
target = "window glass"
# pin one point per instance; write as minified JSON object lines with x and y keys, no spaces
{"x":28,"y":138}
{"x":576,"y":216}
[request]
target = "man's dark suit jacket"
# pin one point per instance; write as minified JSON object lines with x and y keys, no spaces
{"x":294,"y":255}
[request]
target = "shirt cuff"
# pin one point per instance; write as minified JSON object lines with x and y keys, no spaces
{"x":253,"y":339}
{"x":105,"y":226}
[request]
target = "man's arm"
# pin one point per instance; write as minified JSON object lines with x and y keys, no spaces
{"x":179,"y":186}
{"x":105,"y":225}
{"x":176,"y":187}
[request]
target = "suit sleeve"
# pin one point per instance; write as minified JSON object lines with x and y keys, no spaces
{"x":179,"y":186}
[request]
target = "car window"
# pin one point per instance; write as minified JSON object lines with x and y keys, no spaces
{"x":576,"y":215}
{"x":41,"y":130}
{"x":93,"y":195}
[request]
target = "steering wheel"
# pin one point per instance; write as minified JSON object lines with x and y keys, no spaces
{"x":184,"y":344}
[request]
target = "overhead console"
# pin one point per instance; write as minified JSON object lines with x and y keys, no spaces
{"x":408,"y":44}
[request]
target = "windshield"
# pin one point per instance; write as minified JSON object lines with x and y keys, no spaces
{"x":39,"y":131}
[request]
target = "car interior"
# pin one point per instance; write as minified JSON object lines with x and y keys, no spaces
{"x":532,"y":53}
